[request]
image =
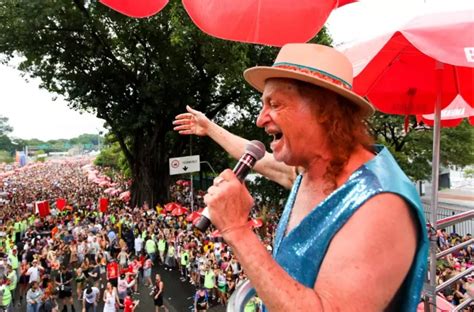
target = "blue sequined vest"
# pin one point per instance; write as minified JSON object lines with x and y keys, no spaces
{"x":302,"y":251}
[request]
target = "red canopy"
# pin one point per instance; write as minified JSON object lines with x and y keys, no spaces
{"x":400,"y":72}
{"x":125,"y":196}
{"x":136,"y":8}
{"x":171,"y":206}
{"x":453,"y":114}
{"x":271,"y":22}
{"x":179,"y":211}
{"x":193,"y":216}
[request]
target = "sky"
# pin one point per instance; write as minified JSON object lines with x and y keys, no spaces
{"x":33,"y":114}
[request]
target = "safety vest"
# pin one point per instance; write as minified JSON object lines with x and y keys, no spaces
{"x":150,"y":246}
{"x":171,"y":251}
{"x":17,"y":226}
{"x":13,"y":280}
{"x":209,"y":281}
{"x":6,"y":296}
{"x":14,"y":261}
{"x":184,"y":258}
{"x":23,"y":226}
{"x":161,"y":245}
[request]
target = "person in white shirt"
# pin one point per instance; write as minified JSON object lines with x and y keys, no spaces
{"x":34,"y":272}
{"x":138,"y":245}
{"x":111,"y":299}
{"x":90,"y":298}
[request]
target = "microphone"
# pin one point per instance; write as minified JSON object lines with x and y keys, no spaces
{"x":254,"y":151}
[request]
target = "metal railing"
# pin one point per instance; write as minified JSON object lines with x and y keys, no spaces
{"x":445,"y":210}
{"x":451,"y":221}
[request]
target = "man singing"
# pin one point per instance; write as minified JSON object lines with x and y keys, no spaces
{"x":352,"y":236}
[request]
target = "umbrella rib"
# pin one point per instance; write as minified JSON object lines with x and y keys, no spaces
{"x":384,"y":71}
{"x":456,"y":79}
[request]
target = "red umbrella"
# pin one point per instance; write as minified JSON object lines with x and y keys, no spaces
{"x":171,"y":206}
{"x":136,"y":8}
{"x":453,"y":114}
{"x":271,"y":22}
{"x":419,"y":69}
{"x":255,"y":223}
{"x":125,"y":196}
{"x":399,"y":71}
{"x":193,"y":216}
{"x":179,"y":211}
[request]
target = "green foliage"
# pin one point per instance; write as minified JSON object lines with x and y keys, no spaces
{"x":269,"y":193}
{"x":5,"y":128}
{"x":112,"y":158}
{"x":109,"y":157}
{"x":413,"y":150}
{"x":5,"y":142}
{"x":6,"y":157}
{"x":469,"y":173}
{"x":85,"y":141}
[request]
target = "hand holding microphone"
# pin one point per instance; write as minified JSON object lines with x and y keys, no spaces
{"x":254,"y":151}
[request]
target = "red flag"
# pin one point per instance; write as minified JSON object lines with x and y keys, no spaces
{"x":60,"y":203}
{"x":103,"y":204}
{"x":42,"y":208}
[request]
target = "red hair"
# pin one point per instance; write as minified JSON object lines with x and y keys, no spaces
{"x":344,"y":123}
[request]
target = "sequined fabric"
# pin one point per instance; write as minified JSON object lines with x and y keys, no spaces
{"x":302,"y":250}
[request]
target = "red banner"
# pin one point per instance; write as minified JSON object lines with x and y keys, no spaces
{"x":42,"y":208}
{"x":103,"y":204}
{"x":60,"y":204}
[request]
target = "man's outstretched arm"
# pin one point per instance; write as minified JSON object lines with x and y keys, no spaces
{"x":195,"y":122}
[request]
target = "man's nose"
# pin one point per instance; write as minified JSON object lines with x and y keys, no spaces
{"x":262,"y":118}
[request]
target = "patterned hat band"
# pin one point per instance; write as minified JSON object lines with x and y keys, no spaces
{"x":315,"y":73}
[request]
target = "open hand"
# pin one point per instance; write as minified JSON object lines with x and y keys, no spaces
{"x":192,"y":122}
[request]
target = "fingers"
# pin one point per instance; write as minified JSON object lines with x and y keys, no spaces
{"x":184,"y":124}
{"x":182,"y":117}
{"x":218,"y":180}
{"x":191,"y":110}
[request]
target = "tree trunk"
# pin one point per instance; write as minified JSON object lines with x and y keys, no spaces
{"x":150,"y":171}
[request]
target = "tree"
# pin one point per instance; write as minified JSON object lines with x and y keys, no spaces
{"x":413,"y":150}
{"x":136,"y":74}
{"x":5,"y":142}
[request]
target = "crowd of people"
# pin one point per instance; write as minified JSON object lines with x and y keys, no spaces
{"x":96,"y":258}
{"x":453,"y":264}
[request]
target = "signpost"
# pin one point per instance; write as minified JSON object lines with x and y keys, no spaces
{"x":187,"y":164}
{"x":183,"y":165}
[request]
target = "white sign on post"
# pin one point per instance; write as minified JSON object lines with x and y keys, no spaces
{"x":188,"y":164}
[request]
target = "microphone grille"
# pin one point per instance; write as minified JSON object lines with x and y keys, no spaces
{"x":256,"y":149}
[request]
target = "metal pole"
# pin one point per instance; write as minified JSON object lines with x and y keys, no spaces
{"x":191,"y":175}
{"x":435,"y":183}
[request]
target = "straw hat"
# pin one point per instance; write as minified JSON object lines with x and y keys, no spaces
{"x":313,"y":63}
